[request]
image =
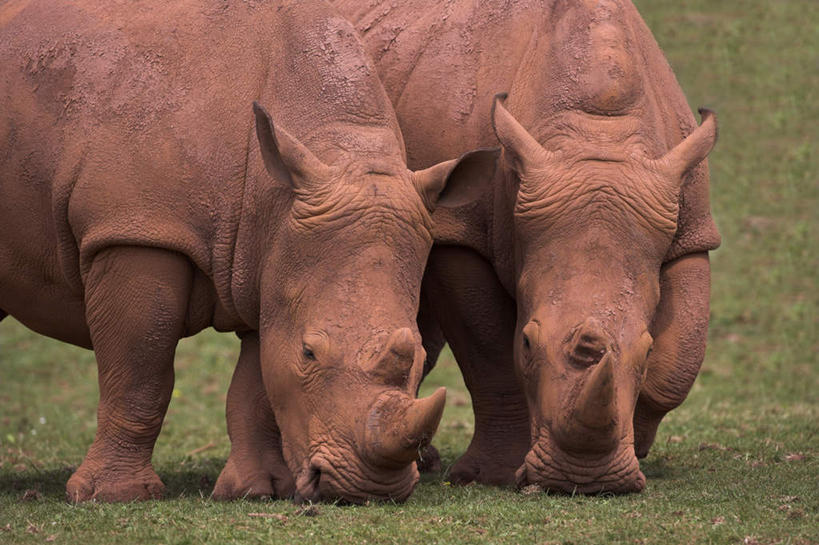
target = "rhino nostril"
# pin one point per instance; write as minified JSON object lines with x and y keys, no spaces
{"x":307,"y":485}
{"x":522,"y":476}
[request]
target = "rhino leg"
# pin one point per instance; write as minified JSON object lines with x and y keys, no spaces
{"x":136,"y":303}
{"x":429,"y":460}
{"x":680,"y":329}
{"x":478,"y":319}
{"x":255,"y":467}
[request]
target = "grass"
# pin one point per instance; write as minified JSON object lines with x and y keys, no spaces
{"x":737,"y":463}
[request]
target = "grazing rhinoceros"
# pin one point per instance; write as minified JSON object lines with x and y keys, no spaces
{"x":140,"y":203}
{"x":588,"y":246}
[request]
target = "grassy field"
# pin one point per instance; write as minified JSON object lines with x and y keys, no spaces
{"x":737,"y":463}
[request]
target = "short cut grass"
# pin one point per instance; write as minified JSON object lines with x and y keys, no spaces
{"x":738,"y":463}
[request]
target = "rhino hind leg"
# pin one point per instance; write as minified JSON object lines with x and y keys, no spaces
{"x":256,"y":466}
{"x":136,"y":301}
{"x":478,"y":319}
{"x":680,"y":328}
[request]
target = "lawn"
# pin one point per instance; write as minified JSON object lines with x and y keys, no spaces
{"x":737,"y":463}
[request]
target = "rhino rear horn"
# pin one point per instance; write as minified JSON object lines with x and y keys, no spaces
{"x":285,"y":158}
{"x":394,"y":365}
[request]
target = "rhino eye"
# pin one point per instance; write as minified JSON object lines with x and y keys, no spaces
{"x":308,"y":352}
{"x":526,"y":343}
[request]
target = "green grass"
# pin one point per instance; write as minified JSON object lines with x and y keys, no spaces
{"x":737,"y":463}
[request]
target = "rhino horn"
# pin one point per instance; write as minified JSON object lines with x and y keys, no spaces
{"x":394,"y":366}
{"x":520,"y":146}
{"x":595,"y":405}
{"x":400,"y":427}
{"x":692,"y":150}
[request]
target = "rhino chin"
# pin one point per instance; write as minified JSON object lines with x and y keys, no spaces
{"x":553,"y":470}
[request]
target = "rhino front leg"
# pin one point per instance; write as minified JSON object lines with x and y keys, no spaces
{"x":680,"y":329}
{"x":136,"y":300}
{"x":256,"y":466}
{"x":478,"y":319}
{"x":429,"y":460}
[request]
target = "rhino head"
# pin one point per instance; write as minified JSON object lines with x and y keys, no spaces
{"x":341,"y":354}
{"x":592,"y":225}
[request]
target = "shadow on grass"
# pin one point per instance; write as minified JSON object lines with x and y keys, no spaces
{"x":46,"y":483}
{"x":182,"y":478}
{"x":658,"y":468}
{"x":190,"y":478}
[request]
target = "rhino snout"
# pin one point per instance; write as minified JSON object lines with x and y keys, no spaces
{"x":552,"y":469}
{"x":346,"y":479}
{"x":307,"y":484}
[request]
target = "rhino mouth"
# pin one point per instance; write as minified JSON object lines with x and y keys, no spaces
{"x":555,"y":470}
{"x":338,"y":479}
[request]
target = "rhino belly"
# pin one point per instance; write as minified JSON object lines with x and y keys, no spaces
{"x":32,"y":291}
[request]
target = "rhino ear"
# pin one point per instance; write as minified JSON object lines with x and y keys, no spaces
{"x":459,"y":181}
{"x":691,"y":151}
{"x":519,"y":146}
{"x":285,"y":158}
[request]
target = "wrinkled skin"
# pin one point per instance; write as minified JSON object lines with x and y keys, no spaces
{"x":142,"y":201}
{"x":573,"y":261}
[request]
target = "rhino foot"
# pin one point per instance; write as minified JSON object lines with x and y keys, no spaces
{"x":106,"y":485}
{"x":246,"y":479}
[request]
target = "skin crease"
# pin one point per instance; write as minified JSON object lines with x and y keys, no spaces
{"x":143,"y":199}
{"x":590,"y":85}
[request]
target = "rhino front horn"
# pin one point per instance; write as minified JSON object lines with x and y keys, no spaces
{"x":400,"y":426}
{"x":595,"y":407}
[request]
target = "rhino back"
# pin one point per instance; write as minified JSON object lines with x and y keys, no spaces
{"x":442,"y":63}
{"x":132,"y":121}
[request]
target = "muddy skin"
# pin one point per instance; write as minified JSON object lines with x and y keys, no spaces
{"x":152,"y":186}
{"x":574,"y":224}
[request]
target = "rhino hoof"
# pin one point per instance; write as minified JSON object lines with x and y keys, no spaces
{"x":110,"y":488}
{"x":234,"y":484}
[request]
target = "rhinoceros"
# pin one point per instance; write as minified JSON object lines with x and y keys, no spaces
{"x":588,"y":246}
{"x":144,"y":196}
